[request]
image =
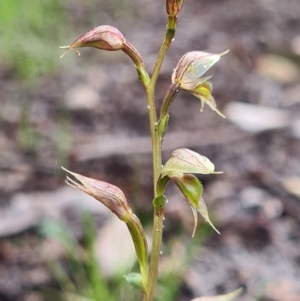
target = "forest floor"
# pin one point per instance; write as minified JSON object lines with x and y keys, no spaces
{"x":91,"y":116}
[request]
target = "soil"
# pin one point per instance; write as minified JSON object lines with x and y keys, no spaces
{"x":91,"y":116}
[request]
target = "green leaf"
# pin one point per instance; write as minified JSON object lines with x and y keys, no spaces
{"x":75,"y":297}
{"x":135,"y":279}
{"x":187,"y":161}
{"x":226,"y":297}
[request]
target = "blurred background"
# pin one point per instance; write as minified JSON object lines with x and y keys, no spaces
{"x":89,"y":114}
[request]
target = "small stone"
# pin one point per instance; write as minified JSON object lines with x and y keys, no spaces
{"x":292,"y":95}
{"x":283,"y":290}
{"x":82,"y":97}
{"x":252,"y":198}
{"x":292,"y":185}
{"x":295,"y":45}
{"x":114,"y":249}
{"x":295,"y":128}
{"x":255,"y":118}
{"x":257,"y":200}
{"x":277,"y":68}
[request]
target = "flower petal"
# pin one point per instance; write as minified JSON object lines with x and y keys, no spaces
{"x":103,"y":37}
{"x":184,"y":160}
{"x":203,"y":92}
{"x":193,"y":65}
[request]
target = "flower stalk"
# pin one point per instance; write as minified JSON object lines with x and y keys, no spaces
{"x":158,"y":215}
{"x":114,"y":199}
{"x":182,"y":164}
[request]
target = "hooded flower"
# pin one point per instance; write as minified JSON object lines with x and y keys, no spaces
{"x":180,"y":168}
{"x":109,"y":195}
{"x":188,"y":72}
{"x":114,"y":199}
{"x":103,"y":37}
{"x":108,"y":38}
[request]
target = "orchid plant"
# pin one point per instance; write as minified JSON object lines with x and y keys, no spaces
{"x":182,"y":164}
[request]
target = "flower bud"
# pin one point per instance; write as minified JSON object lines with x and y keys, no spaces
{"x":109,"y":195}
{"x":174,"y":7}
{"x":188,"y":72}
{"x":103,"y":37}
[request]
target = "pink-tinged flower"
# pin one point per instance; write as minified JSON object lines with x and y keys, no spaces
{"x":103,"y":37}
{"x":188,"y":72}
{"x":114,"y":199}
{"x":174,"y":7}
{"x":109,"y":195}
{"x":184,"y":160}
{"x":180,"y":167}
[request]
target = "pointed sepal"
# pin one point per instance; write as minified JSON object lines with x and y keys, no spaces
{"x":203,"y":92}
{"x":202,"y":209}
{"x":192,"y":189}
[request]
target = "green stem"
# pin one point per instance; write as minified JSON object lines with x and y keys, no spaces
{"x":158,"y":216}
{"x":156,"y":145}
{"x":168,"y":99}
{"x":140,"y":244}
{"x":163,"y":49}
{"x":156,"y":250}
{"x":156,"y":156}
{"x":134,"y":55}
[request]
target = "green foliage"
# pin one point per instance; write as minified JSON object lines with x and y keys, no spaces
{"x":80,"y":278}
{"x":26,"y":135}
{"x":28,"y":34}
{"x":62,"y":139}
